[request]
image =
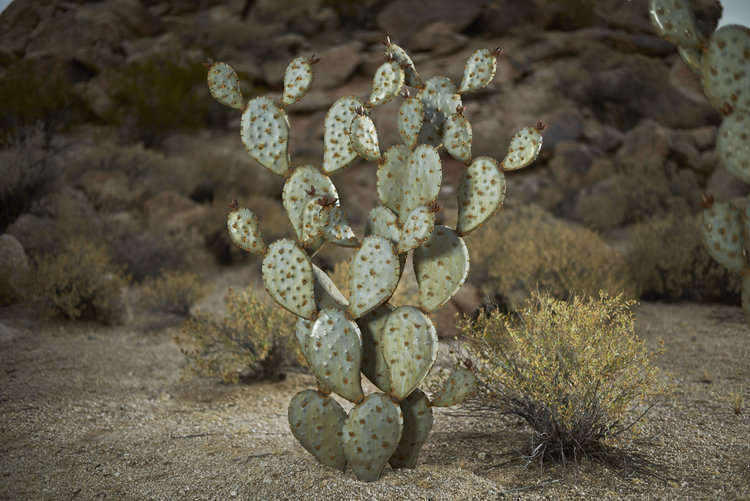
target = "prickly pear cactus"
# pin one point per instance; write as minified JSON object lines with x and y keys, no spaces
{"x":722,"y":60}
{"x":395,"y":348}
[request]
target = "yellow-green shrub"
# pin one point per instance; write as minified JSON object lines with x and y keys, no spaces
{"x":172,"y":291}
{"x":573,"y":370}
{"x":252,"y":340}
{"x":524,"y":249}
{"x":79,"y":280}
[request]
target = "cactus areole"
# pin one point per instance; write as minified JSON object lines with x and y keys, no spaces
{"x":394,"y":346}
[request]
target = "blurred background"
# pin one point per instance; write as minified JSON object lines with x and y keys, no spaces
{"x":113,"y":154}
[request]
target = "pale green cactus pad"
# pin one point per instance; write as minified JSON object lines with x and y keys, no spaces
{"x":244,"y":230}
{"x":374,"y":272}
{"x":733,"y":144}
{"x":411,"y":78}
{"x":441,"y":265}
{"x":302,"y":330}
{"x":224,"y":85}
{"x":440,"y":99}
{"x":457,"y":137}
{"x":410,"y":345}
{"x":295,"y":196}
{"x":674,"y":21}
{"x":691,"y":58}
{"x":338,"y":151}
{"x":726,"y":68}
{"x":288,"y":277}
{"x":390,"y":176}
{"x":417,"y":229}
{"x":457,"y":388}
{"x":298,"y":79}
{"x":327,"y":295}
{"x":264,"y":130}
{"x":420,"y":182}
{"x":387,"y":83}
{"x":312,"y":222}
{"x":524,"y":148}
{"x":410,"y":119}
{"x":317,"y":422}
{"x":364,"y":138}
{"x":417,"y":425}
{"x":334,"y":350}
{"x":479,"y":70}
{"x":481,"y":192}
{"x":373,"y":363}
{"x":383,"y":222}
{"x":371,"y":434}
{"x":722,"y":231}
{"x":337,"y":229}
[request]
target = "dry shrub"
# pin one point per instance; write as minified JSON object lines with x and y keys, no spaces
{"x":573,"y":370}
{"x":81,"y":280}
{"x":525,"y":249}
{"x":253,"y":340}
{"x":172,"y":291}
{"x":667,"y":260}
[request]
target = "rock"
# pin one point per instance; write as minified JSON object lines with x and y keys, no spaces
{"x":565,"y":124}
{"x":403,"y":19}
{"x":723,"y":185}
{"x":604,"y":137}
{"x":687,"y":82}
{"x":35,"y":233}
{"x":649,"y":141}
{"x":438,"y":38}
{"x":684,"y":150}
{"x":499,"y":17}
{"x":622,"y":41}
{"x":704,"y":138}
{"x":337,"y":65}
{"x":570,"y":165}
{"x":14,"y":264}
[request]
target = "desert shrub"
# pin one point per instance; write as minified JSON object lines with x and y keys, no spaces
{"x":159,"y":94}
{"x":573,"y":370}
{"x":666,"y":259}
{"x":172,"y":292}
{"x":253,"y":340}
{"x":29,"y":96}
{"x":27,"y":167}
{"x":525,"y":249}
{"x":81,"y":280}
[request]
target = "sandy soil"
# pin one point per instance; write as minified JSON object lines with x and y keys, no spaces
{"x":91,"y":412}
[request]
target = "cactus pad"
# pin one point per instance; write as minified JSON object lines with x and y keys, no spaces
{"x":410,"y":346}
{"x":479,"y":70}
{"x":387,"y":83}
{"x":327,"y":295}
{"x":726,"y":68}
{"x":264,"y":130}
{"x":338,"y":151}
{"x":674,"y":21}
{"x":440,"y":99}
{"x":524,"y":148}
{"x":374,"y":272}
{"x":481,"y":191}
{"x":295,"y":196}
{"x":364,"y":138}
{"x":373,"y":363}
{"x":390,"y":176}
{"x":420,"y":182}
{"x":691,"y":58}
{"x":288,"y":277}
{"x":224,"y":85}
{"x":410,"y":119}
{"x":441,"y":266}
{"x":334,"y":350}
{"x":337,"y":229}
{"x":383,"y":222}
{"x":457,"y":388}
{"x":317,"y":422}
{"x":302,"y":331}
{"x":722,"y":231}
{"x":417,"y":425}
{"x":417,"y":229}
{"x":297,"y":80}
{"x":244,"y":230}
{"x":371,"y":434}
{"x":733,"y":144}
{"x":411,"y":78}
{"x":457,"y":137}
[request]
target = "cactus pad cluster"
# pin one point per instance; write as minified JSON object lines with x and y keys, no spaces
{"x":722,"y":60}
{"x":395,"y":348}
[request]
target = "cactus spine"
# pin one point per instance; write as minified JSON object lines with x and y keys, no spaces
{"x":722,"y":59}
{"x":393,"y":347}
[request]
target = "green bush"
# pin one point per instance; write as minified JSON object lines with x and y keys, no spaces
{"x":574,"y":371}
{"x":526,"y":249}
{"x":253,"y":340}
{"x":80,"y":280}
{"x":158,"y":95}
{"x":172,"y":292}
{"x":667,"y":260}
